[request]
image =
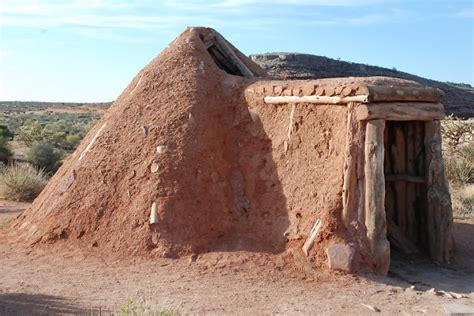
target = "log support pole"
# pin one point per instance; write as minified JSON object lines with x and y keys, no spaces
{"x":375,"y":218}
{"x":352,"y":194}
{"x":439,"y":217}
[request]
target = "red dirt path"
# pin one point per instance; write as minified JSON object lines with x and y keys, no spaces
{"x":70,"y":281}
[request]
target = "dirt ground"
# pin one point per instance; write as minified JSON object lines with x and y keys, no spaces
{"x":66,"y":281}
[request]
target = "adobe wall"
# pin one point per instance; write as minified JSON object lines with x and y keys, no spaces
{"x":308,"y":146}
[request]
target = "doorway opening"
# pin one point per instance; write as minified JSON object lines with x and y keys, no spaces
{"x":405,"y":187}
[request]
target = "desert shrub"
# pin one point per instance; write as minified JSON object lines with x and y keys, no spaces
{"x":70,"y":142}
{"x":44,"y":155}
{"x":459,"y":170}
{"x":30,"y":134}
{"x":466,"y":151}
{"x":5,"y":132}
{"x":456,"y":132}
{"x":463,"y":200}
{"x":21,"y":182}
{"x":142,"y":307}
{"x":63,"y":135}
{"x":5,"y":152}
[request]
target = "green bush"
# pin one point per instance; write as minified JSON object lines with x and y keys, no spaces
{"x":5,"y":152}
{"x":30,"y":134}
{"x":44,"y":155}
{"x":5,"y":132}
{"x":143,"y":308}
{"x":65,"y":136}
{"x":21,"y":182}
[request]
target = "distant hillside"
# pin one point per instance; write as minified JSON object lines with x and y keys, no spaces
{"x":16,"y":106}
{"x":459,"y":98}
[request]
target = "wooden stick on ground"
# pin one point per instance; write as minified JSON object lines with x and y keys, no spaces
{"x":312,"y":236}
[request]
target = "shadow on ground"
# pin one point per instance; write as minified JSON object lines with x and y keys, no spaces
{"x":424,"y":274}
{"x":38,"y":304}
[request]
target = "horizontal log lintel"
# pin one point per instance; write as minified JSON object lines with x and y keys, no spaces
{"x":404,"y":177}
{"x":411,"y":93}
{"x":400,"y":111}
{"x":315,"y":99}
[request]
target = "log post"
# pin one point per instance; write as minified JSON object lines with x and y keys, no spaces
{"x":399,"y":167}
{"x":375,"y":218}
{"x":354,"y":149}
{"x":361,"y":173}
{"x":420,"y":161}
{"x":439,"y":217}
{"x":411,"y":186}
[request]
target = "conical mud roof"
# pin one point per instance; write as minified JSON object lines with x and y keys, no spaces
{"x":176,"y":141}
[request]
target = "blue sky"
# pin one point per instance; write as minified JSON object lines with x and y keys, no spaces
{"x":89,"y":50}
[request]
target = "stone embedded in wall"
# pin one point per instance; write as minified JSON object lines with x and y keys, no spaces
{"x":340,"y":257}
{"x":308,"y":89}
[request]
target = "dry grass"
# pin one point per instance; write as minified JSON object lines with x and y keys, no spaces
{"x":463,"y":200}
{"x":21,"y":182}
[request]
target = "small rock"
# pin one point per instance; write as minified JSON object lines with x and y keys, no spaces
{"x":432,"y":291}
{"x":447,"y":294}
{"x":190,"y":119}
{"x":161,"y":149}
{"x":193,"y":257}
{"x":308,"y":89}
{"x":277,"y":90}
{"x":457,"y":295}
{"x":340,"y":257}
{"x":458,"y":309}
{"x":372,"y":308}
{"x":154,"y":167}
{"x":420,"y":310}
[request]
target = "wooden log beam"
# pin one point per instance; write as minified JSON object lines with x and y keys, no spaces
{"x":390,"y":205}
{"x":439,"y":217}
{"x":349,"y":188}
{"x":410,"y":189}
{"x":420,"y":190}
{"x":375,"y":218}
{"x":361,"y":172}
{"x":399,"y":167}
{"x":400,"y":111}
{"x":404,"y":177}
{"x":315,"y":99}
{"x":229,"y":53}
{"x":391,"y":94}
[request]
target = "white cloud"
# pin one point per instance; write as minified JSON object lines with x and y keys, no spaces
{"x":206,"y":4}
{"x":98,"y":18}
{"x":6,"y":53}
{"x":467,"y":13}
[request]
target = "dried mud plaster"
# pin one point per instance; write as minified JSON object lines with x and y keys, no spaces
{"x":191,"y":159}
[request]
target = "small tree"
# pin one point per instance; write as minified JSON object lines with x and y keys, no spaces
{"x":30,"y":134}
{"x":5,"y":132}
{"x":5,"y":152}
{"x":456,"y":132}
{"x":44,"y":155}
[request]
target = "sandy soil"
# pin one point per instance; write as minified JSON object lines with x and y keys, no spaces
{"x":50,"y":281}
{"x":9,"y":209}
